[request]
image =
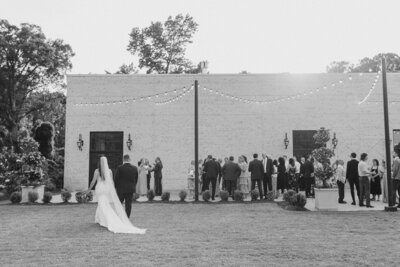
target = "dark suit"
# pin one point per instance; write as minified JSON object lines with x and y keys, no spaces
{"x":158,"y":178}
{"x":125,"y":180}
{"x":211,"y":169}
{"x":352,"y":177}
{"x":308,"y":176}
{"x":231,"y":172}
{"x":148,"y":179}
{"x":267,"y":179}
{"x":302,"y":182}
{"x":256,"y":169}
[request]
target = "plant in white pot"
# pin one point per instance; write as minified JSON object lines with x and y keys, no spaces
{"x":325,"y":191}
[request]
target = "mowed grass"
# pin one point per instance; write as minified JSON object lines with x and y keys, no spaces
{"x":253,"y":234}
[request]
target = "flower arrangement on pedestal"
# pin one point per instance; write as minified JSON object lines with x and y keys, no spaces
{"x":323,"y":171}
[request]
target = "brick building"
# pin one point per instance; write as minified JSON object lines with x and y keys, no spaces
{"x":298,"y":105}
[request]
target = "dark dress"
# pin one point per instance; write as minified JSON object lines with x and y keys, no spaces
{"x":282,"y":181}
{"x":376,"y":188}
{"x":293,"y":179}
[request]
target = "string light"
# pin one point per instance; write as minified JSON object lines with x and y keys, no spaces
{"x":371,"y":89}
{"x":175,"y":98}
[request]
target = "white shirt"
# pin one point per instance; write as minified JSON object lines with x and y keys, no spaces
{"x":363,"y":168}
{"x":297,"y":166}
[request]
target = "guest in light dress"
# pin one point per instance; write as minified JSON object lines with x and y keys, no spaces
{"x":141,"y":186}
{"x":244,"y":185}
{"x":190,"y":179}
{"x":382,"y":172}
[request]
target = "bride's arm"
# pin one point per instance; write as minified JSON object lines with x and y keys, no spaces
{"x":95,"y":176}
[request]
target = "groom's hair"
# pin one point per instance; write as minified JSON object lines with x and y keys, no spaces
{"x":127,"y":158}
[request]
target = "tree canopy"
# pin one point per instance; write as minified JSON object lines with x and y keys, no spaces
{"x":28,"y":63}
{"x":161,"y":47}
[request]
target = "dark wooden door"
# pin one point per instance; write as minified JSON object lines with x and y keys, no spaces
{"x":303,"y":143}
{"x":109,"y":144}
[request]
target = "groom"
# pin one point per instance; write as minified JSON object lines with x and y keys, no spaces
{"x":125,"y":180}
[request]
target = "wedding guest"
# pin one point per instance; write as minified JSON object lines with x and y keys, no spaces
{"x":191,"y":179}
{"x":148,"y":174}
{"x":376,"y":189}
{"x":204,"y":180}
{"x":396,"y":173}
{"x":352,"y":177}
{"x":281,"y":178}
{"x":231,"y":172}
{"x":302,"y":183}
{"x":158,"y":176}
{"x":219,"y":177}
{"x":286,"y":163}
{"x":243,"y":179}
{"x":340,"y":177}
{"x":141,"y":186}
{"x":309,"y":175}
{"x":292,"y":179}
{"x":267,"y":166}
{"x":257,"y":172}
{"x":364,"y":177}
{"x":200,"y":166}
{"x":382,"y":173}
{"x":274,"y":178}
{"x":211,"y":170}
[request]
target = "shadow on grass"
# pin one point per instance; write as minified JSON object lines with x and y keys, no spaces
{"x":286,"y":206}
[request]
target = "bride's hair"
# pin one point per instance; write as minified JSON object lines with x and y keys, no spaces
{"x":102,"y":167}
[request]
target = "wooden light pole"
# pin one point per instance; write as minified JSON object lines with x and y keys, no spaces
{"x":391,"y":201}
{"x":196,"y":140}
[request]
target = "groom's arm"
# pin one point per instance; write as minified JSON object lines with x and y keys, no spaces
{"x":116,"y":175}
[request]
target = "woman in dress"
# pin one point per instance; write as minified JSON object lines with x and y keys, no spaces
{"x":109,"y":212}
{"x":243,"y":178}
{"x":382,"y":173}
{"x":281,"y":175}
{"x":292,"y":182}
{"x":190,"y":179}
{"x":376,"y":189}
{"x":274,"y":178}
{"x":141,"y":186}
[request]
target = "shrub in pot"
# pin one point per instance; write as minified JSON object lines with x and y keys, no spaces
{"x":206,"y":195}
{"x":150,"y":195}
{"x":16,"y":197}
{"x":50,"y":187}
{"x":65,"y":196}
{"x":238,"y":195}
{"x":135,"y":196}
{"x":84,"y":197}
{"x":301,"y":200}
{"x":182,"y":195}
{"x":270,"y":196}
{"x":47,"y":196}
{"x":165,"y":196}
{"x":288,"y":195}
{"x":224,"y":195}
{"x":254,"y":194}
{"x":33,"y":196}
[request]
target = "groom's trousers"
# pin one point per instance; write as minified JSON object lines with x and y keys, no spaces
{"x":128,"y":201}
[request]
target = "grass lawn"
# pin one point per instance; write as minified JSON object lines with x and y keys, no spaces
{"x":251,"y":234}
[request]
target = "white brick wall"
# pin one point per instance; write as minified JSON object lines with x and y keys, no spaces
{"x":226,"y":127}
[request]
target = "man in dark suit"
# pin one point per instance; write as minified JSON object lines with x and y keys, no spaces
{"x":231,"y":172}
{"x":257,"y":173}
{"x":352,"y":176}
{"x":268,"y":169}
{"x":125,"y":180}
{"x":211,"y":169}
{"x":309,"y":175}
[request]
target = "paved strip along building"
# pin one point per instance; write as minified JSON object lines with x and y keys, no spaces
{"x":238,"y":115}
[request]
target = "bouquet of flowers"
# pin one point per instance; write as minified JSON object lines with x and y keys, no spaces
{"x":84,"y":196}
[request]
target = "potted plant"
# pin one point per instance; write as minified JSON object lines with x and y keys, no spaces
{"x":325,"y":191}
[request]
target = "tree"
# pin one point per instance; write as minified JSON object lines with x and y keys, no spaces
{"x":127,"y":69}
{"x":161,"y":47}
{"x":29,"y":62}
{"x":338,"y":67}
{"x":323,"y":155}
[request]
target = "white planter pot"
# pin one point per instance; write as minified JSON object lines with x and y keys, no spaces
{"x":26,"y":189}
{"x":326,"y":199}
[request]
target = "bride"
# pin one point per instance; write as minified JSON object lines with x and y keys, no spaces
{"x":109,"y":212}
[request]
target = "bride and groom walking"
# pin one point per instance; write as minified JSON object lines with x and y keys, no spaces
{"x":112,"y":192}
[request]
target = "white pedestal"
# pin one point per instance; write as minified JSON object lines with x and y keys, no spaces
{"x":326,"y":199}
{"x":27,"y":189}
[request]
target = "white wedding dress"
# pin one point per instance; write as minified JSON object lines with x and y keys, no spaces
{"x":110,"y":212}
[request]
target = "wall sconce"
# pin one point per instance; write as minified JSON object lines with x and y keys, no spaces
{"x":334,"y":140}
{"x":286,"y":141}
{"x":129,"y":142}
{"x":80,"y":142}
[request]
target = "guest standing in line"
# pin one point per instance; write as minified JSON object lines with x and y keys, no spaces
{"x":200,"y":166}
{"x":352,"y":177}
{"x":190,"y":179}
{"x":141,"y":186}
{"x":231,"y":172}
{"x":204,"y":180}
{"x":292,"y":179}
{"x":157,"y":169}
{"x":376,"y":189}
{"x":267,"y":182}
{"x":382,"y":172}
{"x":281,"y":183}
{"x":309,"y":175}
{"x":302,"y":183}
{"x":219,"y":178}
{"x":257,"y":172}
{"x":340,"y":177}
{"x":148,"y":174}
{"x":364,"y":177}
{"x":396,"y":173}
{"x":274,"y":178}
{"x":211,"y":170}
{"x":243,"y":179}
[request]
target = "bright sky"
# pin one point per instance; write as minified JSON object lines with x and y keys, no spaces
{"x":259,"y":36}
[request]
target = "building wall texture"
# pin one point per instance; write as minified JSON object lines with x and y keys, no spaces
{"x":226,"y":127}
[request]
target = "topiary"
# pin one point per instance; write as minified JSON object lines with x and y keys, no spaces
{"x":50,"y":187}
{"x":270,"y":196}
{"x":182,"y":195}
{"x":33,"y":196}
{"x":150,"y":195}
{"x":165,"y":196}
{"x":254,"y":194}
{"x":206,"y":195}
{"x":135,"y":196}
{"x":16,"y":197}
{"x":301,"y":200}
{"x":224,"y":195}
{"x":65,"y":196}
{"x":47,"y":196}
{"x":238,"y":195}
{"x":288,"y":195}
